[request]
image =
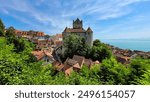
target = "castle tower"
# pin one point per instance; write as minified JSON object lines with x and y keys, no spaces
{"x":89,"y":36}
{"x":80,"y":31}
{"x":77,"y":24}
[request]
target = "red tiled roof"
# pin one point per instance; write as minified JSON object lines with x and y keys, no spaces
{"x":31,"y":33}
{"x":58,"y":65}
{"x":49,"y":54}
{"x":40,"y":54}
{"x":77,"y":66}
{"x":58,"y":42}
{"x":68,"y":71}
{"x":59,"y":35}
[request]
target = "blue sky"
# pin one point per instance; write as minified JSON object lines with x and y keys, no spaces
{"x":109,"y":19}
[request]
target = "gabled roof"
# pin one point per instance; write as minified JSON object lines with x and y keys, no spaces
{"x":68,"y":71}
{"x":79,"y":59}
{"x":58,"y":65}
{"x":71,"y":62}
{"x":40,"y":54}
{"x":77,"y":66}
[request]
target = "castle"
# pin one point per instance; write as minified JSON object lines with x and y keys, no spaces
{"x":79,"y":30}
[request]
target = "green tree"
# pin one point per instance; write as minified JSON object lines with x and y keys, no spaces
{"x":15,"y":68}
{"x":10,"y":32}
{"x":145,"y":80}
{"x":138,"y":68}
{"x":89,"y":76}
{"x":75,"y":45}
{"x":10,"y":35}
{"x":97,"y":42}
{"x":100,"y":51}
{"x":36,"y":74}
{"x":112,"y":72}
{"x":2,"y":28}
{"x":11,"y":64}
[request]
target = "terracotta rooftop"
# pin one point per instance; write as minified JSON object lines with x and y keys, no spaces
{"x":77,"y":66}
{"x":37,"y":33}
{"x":59,"y":35}
{"x":68,"y":71}
{"x":58,"y":42}
{"x":58,"y":65}
{"x":40,"y":54}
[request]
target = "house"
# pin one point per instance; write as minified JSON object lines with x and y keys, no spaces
{"x":80,"y":31}
{"x":122,"y":59}
{"x":58,"y":37}
{"x":43,"y":55}
{"x":74,"y":64}
{"x":71,"y":65}
{"x":43,"y":44}
{"x":79,"y":59}
{"x":57,"y":40}
{"x":83,"y":61}
{"x":58,"y":66}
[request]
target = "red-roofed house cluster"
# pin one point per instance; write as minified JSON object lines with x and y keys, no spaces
{"x":125,"y":55}
{"x":28,"y":34}
{"x":74,"y":64}
{"x":45,"y":44}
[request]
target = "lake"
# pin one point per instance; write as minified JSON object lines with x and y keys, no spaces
{"x":133,"y":44}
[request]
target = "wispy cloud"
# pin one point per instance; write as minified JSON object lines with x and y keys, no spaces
{"x":100,"y":9}
{"x":52,"y":16}
{"x":132,"y":27}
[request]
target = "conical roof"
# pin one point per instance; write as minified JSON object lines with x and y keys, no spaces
{"x":67,"y":29}
{"x":89,"y":29}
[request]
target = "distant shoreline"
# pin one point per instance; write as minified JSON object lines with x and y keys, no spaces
{"x":129,"y":44}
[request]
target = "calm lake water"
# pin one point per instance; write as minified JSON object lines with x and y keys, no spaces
{"x":133,"y":44}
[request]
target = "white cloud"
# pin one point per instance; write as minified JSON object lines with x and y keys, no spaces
{"x":59,"y":13}
{"x":133,"y":27}
{"x":101,"y":9}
